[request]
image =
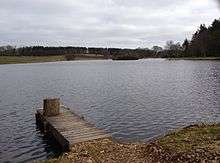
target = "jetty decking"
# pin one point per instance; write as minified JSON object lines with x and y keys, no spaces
{"x":68,"y":128}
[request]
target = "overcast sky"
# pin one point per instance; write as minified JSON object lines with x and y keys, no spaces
{"x":102,"y":23}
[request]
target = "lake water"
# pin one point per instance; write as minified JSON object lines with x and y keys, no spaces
{"x":133,"y":100}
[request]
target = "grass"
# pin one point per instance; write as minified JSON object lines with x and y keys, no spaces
{"x":29,"y":59}
{"x":191,"y":138}
{"x":36,"y":59}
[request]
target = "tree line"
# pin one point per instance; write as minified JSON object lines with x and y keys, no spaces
{"x":205,"y":42}
{"x":49,"y":51}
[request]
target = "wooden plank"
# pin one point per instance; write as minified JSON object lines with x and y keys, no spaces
{"x":83,"y":130}
{"x":68,"y":125}
{"x":91,"y":136}
{"x":65,"y":117}
{"x":73,"y":134}
{"x":79,"y":140}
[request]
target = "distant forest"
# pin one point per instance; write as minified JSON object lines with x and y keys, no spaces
{"x":205,"y":42}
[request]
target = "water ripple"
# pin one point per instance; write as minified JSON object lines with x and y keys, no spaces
{"x":134,"y":100}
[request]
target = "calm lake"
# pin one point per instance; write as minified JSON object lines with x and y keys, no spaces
{"x":133,"y":100}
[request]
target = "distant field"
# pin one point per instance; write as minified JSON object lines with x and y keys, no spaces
{"x":29,"y":59}
{"x":36,"y":59}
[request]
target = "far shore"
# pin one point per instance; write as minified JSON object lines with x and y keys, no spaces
{"x":56,"y":58}
{"x":195,"y":58}
{"x":41,"y":59}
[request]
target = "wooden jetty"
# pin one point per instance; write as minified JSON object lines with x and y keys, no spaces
{"x":66,"y":127}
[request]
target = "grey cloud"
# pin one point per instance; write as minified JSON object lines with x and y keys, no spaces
{"x":218,"y":1}
{"x":109,"y":23}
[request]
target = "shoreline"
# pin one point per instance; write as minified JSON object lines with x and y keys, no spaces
{"x":57,"y":58}
{"x":42,"y":59}
{"x":194,"y":143}
{"x":195,"y":58}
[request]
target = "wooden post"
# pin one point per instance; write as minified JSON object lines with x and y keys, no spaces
{"x":51,"y":107}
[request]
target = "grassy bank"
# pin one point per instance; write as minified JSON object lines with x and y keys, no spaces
{"x":36,"y":59}
{"x":29,"y":59}
{"x":195,"y":143}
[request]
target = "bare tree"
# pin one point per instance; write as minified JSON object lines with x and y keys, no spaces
{"x":157,"y":48}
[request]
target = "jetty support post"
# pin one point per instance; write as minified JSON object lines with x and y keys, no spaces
{"x":51,"y":107}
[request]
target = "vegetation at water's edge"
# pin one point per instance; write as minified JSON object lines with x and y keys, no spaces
{"x":125,"y":57}
{"x":29,"y":59}
{"x":195,"y":143}
{"x":205,"y":42}
{"x":37,"y":59}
